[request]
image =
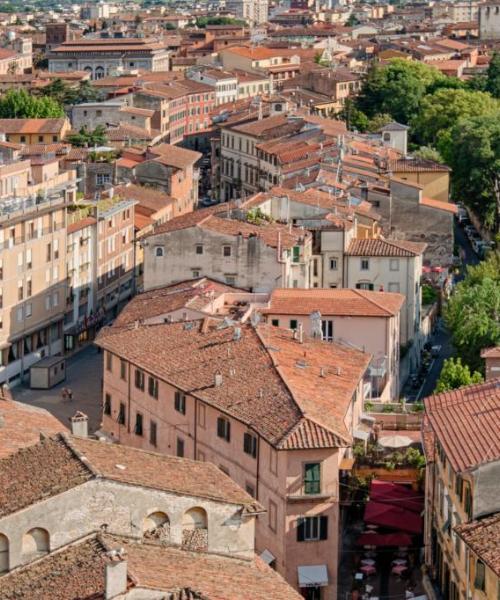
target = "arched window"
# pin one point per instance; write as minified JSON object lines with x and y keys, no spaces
{"x":4,"y":553}
{"x":159,"y":251}
{"x":195,"y":529}
{"x":156,"y":526}
{"x":99,"y":73}
{"x":36,"y":542}
{"x":387,"y":136}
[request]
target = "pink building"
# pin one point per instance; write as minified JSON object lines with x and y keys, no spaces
{"x":363,"y":319}
{"x":274,"y":409}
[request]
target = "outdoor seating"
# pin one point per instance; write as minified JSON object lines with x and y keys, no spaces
{"x":399,"y":569}
{"x":368,"y":561}
{"x":368,"y":569}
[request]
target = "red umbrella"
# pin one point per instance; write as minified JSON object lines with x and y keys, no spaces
{"x":397,"y":494}
{"x":395,"y":517}
{"x":387,"y":539}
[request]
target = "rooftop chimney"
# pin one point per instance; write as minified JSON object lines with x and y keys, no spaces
{"x":301,"y":333}
{"x":218,"y":380}
{"x":79,"y":425}
{"x":115,"y":576}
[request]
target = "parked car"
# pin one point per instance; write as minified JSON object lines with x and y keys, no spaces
{"x":436,"y":350}
{"x":462,"y":217}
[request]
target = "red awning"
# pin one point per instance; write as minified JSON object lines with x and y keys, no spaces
{"x":396,"y":494}
{"x":395,"y":517}
{"x":387,"y":539}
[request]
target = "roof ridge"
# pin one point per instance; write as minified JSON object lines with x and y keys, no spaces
{"x":85,"y":462}
{"x":372,"y":301}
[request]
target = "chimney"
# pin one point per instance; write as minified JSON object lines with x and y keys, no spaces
{"x":218,"y":379}
{"x":79,"y":425}
{"x":301,"y":333}
{"x":115,"y":576}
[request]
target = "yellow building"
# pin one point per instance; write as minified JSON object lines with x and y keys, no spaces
{"x":482,"y":543}
{"x":433,"y":177}
{"x":35,"y":131}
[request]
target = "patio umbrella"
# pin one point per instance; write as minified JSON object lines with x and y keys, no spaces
{"x":395,"y":441}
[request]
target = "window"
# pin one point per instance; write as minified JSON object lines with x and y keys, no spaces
{"x":107,"y":404}
{"x":327,"y":330}
{"x":293,"y":323}
{"x":250,"y":489}
{"x":121,"y":414}
{"x":29,"y":287}
{"x":153,"y":387}
{"x":20,"y":290}
{"x":311,"y":529}
{"x":159,"y":251}
{"x":394,"y":264}
{"x":333,"y":264}
{"x":180,"y":447}
{"x":152,"y":433}
{"x":226,"y":250}
{"x":201,"y":415}
{"x":139,"y":379}
{"x":199,"y":248}
{"x":224,"y":429}
{"x":296,"y":254}
{"x":364,"y":285}
{"x":138,"y":430}
{"x":180,"y":402}
{"x":479,"y":580}
{"x":273,"y":516}
{"x":28,"y":309}
{"x":250,"y":444}
{"x":123,"y":370}
{"x":275,"y":322}
{"x":365,"y":264}
{"x":394,"y":287}
{"x":312,"y":478}
{"x":56,"y":246}
{"x":109,"y":361}
{"x":29,"y":259}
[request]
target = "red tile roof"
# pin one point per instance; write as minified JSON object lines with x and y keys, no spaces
{"x":19,"y":126}
{"x":416,"y":165}
{"x":81,"y":224}
{"x":493,"y":352}
{"x":381,"y":247}
{"x":446,"y":206}
{"x":341,"y":302}
{"x":22,"y":425}
{"x":271,"y":381}
{"x":465,"y":422}
{"x":483,"y":538}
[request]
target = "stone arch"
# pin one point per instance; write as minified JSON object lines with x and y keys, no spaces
{"x":195,"y":529}
{"x":4,"y":553}
{"x":156,"y":526}
{"x":36,"y":542}
{"x":99,"y":72}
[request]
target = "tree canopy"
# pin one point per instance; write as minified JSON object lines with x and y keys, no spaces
{"x":88,"y":138}
{"x":202,"y":22}
{"x":455,"y":375}
{"x":64,"y":94}
{"x":473,"y":311}
{"x":18,"y":104}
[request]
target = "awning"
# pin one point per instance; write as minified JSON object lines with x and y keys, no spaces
{"x":313,"y":576}
{"x":361,"y":435}
{"x":346,"y":464}
{"x":267,"y":557}
{"x":396,"y":494}
{"x":394,"y":517}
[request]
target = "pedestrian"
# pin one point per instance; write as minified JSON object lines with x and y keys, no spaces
{"x":64,"y":394}
{"x":70,"y":394}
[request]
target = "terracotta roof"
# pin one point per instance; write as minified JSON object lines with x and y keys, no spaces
{"x":22,"y":425}
{"x":142,"y":112}
{"x":493,"y":352}
{"x":77,"y":571}
{"x":339,"y":302}
{"x":147,"y":197}
{"x":415,"y":165}
{"x":124,"y":131}
{"x":271,"y":382}
{"x":483,"y":538}
{"x":255,"y":53}
{"x":174,"y":156}
{"x":20,"y":126}
{"x":446,"y":206}
{"x":54,"y":465}
{"x":380,"y":247}
{"x":81,"y":224}
{"x":465,"y":422}
{"x":167,"y":299}
{"x":258,"y":127}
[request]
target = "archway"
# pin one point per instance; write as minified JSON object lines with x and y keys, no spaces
{"x":36,"y":542}
{"x":195,"y":529}
{"x":156,"y":526}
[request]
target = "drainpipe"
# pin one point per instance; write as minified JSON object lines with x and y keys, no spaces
{"x":195,"y":441}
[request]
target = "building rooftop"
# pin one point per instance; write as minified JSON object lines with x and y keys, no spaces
{"x":381,"y":247}
{"x":338,"y":302}
{"x":465,"y":423}
{"x":483,"y":538}
{"x":77,"y":571}
{"x":174,"y":156}
{"x":58,"y":464}
{"x":493,"y":352}
{"x":270,"y":381}
{"x":416,"y":165}
{"x":20,"y":126}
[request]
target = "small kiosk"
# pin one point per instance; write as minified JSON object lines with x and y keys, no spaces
{"x":48,"y":372}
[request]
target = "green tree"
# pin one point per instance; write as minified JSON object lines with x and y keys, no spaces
{"x":378,"y":121}
{"x":473,"y":153}
{"x":428,"y":153}
{"x":493,"y":76}
{"x":442,"y":109}
{"x":352,"y":21}
{"x":18,"y":104}
{"x":396,"y":89}
{"x":354,"y":118}
{"x":455,"y":375}
{"x":88,"y":138}
{"x":473,"y":311}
